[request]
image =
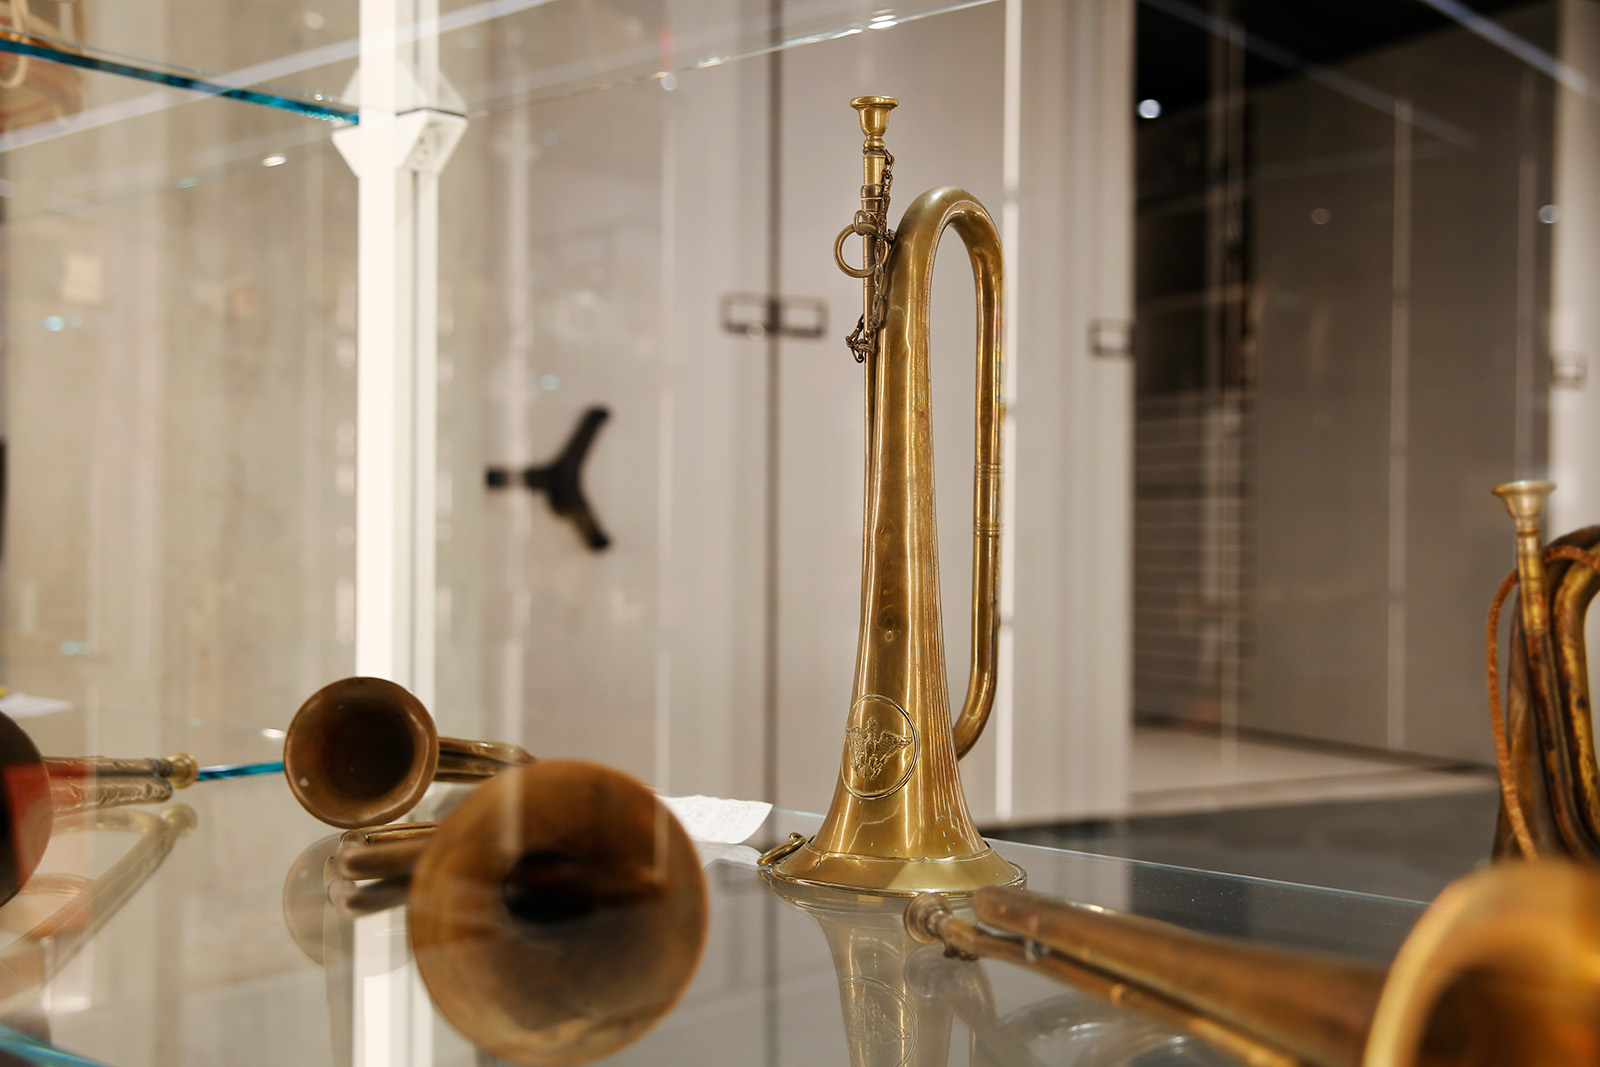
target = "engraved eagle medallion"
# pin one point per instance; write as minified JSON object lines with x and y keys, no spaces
{"x":880,"y":747}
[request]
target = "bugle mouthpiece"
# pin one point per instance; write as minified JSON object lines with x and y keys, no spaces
{"x":874,"y":114}
{"x":1525,"y":500}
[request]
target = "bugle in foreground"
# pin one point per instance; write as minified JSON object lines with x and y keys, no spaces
{"x":362,"y":751}
{"x":1503,"y":968}
{"x":554,"y":916}
{"x":899,"y":822}
{"x":1544,"y":734}
{"x":40,"y":789}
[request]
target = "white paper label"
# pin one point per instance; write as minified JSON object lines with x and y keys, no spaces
{"x":715,"y":819}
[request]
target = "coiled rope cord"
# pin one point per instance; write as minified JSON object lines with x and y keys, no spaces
{"x":1497,"y":717}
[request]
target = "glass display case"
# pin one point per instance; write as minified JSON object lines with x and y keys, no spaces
{"x":497,"y":348}
{"x":231,"y":952}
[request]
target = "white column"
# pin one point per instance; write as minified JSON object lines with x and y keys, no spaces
{"x":403,"y":140}
{"x":1575,"y":279}
{"x":1072,"y":269}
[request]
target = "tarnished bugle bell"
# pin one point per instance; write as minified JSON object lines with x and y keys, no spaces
{"x":555,"y":915}
{"x":38,"y":789}
{"x":1544,"y":736}
{"x":362,"y":751}
{"x":1503,"y":968}
{"x":899,"y":822}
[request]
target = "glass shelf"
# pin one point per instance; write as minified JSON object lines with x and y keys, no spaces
{"x":200,"y":965}
{"x":495,"y":53}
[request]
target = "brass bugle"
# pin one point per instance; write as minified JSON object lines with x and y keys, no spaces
{"x":363,"y":751}
{"x":51,"y":942}
{"x":554,"y":916}
{"x":898,"y":823}
{"x":1503,"y":968}
{"x":40,"y":789}
{"x":1544,"y":734}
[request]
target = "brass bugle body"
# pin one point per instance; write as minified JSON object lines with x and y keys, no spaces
{"x":1503,"y":968}
{"x":555,"y":915}
{"x":363,"y":751}
{"x":898,"y":823}
{"x":1544,"y":734}
{"x":40,"y":789}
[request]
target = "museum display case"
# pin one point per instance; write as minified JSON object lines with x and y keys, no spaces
{"x":497,"y":348}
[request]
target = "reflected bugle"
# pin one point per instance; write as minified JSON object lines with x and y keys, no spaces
{"x":362,"y":751}
{"x":51,"y":943}
{"x":1503,"y":968}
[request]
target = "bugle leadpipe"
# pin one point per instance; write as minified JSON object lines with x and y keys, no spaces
{"x":1504,"y":967}
{"x":39,"y":789}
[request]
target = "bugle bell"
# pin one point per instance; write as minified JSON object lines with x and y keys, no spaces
{"x":1503,"y":968}
{"x":899,"y":823}
{"x":1544,"y":732}
{"x":39,"y":789}
{"x":555,"y":915}
{"x":363,"y":751}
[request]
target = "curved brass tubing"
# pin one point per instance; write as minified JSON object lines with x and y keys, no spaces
{"x":554,"y":916}
{"x":1503,"y":968}
{"x":362,"y":751}
{"x":39,"y":790}
{"x":1544,"y":736}
{"x":899,"y":822}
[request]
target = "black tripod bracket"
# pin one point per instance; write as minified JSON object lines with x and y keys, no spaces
{"x":561,"y":479}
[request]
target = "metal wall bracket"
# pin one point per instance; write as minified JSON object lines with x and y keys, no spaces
{"x":758,"y":315}
{"x":560,"y":479}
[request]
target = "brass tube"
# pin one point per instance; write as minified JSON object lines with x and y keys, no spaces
{"x":1504,"y":967}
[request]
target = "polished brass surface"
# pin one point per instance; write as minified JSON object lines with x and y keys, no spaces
{"x":362,"y":751}
{"x":1503,"y":968}
{"x":555,"y":915}
{"x":1544,"y":735}
{"x":39,"y":790}
{"x":899,"y":822}
{"x":50,"y":942}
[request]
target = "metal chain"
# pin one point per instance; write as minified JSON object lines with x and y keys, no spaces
{"x":874,"y":224}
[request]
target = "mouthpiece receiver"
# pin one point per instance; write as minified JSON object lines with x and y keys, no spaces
{"x":874,"y":112}
{"x":1525,"y":501}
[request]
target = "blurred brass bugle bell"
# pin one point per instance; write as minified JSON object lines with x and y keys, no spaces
{"x":1503,"y":968}
{"x":40,"y":789}
{"x":1544,"y":734}
{"x":362,"y":751}
{"x":899,"y":822}
{"x":555,"y":915}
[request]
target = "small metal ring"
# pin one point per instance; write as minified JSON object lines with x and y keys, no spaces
{"x":838,"y":255}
